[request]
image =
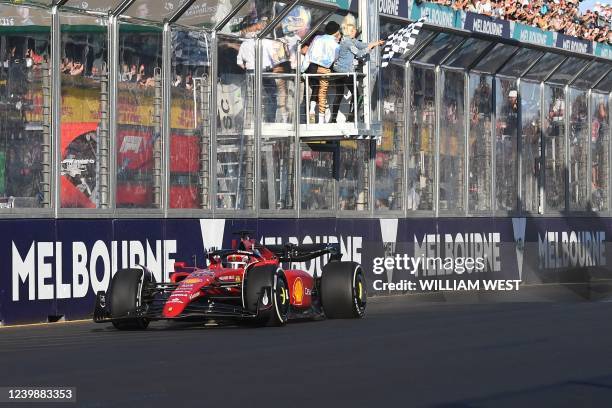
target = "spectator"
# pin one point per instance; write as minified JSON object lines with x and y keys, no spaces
{"x":350,"y":48}
{"x":321,"y":54}
{"x":98,"y":66}
{"x":77,"y":69}
{"x":178,"y":81}
{"x":562,"y":16}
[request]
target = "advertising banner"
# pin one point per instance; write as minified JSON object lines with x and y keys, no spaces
{"x":436,"y":14}
{"x":55,"y":267}
{"x":342,"y":4}
{"x":603,"y":50}
{"x":574,"y":44}
{"x":524,"y":33}
{"x":479,"y":23}
{"x":395,"y":8}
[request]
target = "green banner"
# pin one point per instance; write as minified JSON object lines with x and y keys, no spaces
{"x":603,"y":50}
{"x":435,"y":14}
{"x":533,"y":35}
{"x":342,"y":4}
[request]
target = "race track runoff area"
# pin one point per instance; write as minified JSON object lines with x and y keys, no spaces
{"x":403,"y":353}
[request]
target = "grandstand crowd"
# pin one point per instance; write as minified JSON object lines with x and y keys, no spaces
{"x":563,"y":16}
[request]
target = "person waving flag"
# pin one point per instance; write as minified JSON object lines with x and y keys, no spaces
{"x":401,"y":41}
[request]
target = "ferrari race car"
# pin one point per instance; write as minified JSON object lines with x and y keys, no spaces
{"x":246,"y":284}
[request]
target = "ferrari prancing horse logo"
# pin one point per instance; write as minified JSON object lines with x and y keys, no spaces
{"x":298,"y":291}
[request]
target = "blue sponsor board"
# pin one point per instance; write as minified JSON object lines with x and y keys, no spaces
{"x":482,"y":24}
{"x":55,"y":267}
{"x":574,"y":44}
{"x":395,"y":8}
{"x":533,"y":35}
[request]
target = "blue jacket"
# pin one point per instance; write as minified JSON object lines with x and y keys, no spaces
{"x":350,"y":48}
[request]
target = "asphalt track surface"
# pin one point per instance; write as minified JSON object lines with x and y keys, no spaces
{"x":402,"y":354}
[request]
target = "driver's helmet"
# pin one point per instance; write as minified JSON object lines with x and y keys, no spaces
{"x":237,"y":261}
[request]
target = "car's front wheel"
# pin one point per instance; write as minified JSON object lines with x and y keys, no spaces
{"x":125,"y":296}
{"x":343,"y":290}
{"x":265,"y":292}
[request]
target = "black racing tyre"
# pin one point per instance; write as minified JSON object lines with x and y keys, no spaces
{"x":125,"y":294}
{"x":265,"y":292}
{"x":343,"y":290}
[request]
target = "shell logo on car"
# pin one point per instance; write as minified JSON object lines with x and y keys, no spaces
{"x":192,"y":280}
{"x":298,"y":291}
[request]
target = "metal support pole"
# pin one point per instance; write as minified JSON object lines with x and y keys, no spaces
{"x":589,"y":176}
{"x":52,"y":119}
{"x":252,"y":195}
{"x":566,"y":170}
{"x":113,"y":98}
{"x":609,"y":161}
{"x":521,"y":206}
{"x":466,"y":139}
{"x":437,"y":102}
{"x":297,"y":155}
{"x":492,"y":147}
{"x":166,"y":131}
{"x":213,"y":121}
{"x":407,"y":134}
{"x":542,"y":156}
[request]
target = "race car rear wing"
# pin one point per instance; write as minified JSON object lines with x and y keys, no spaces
{"x":300,"y":253}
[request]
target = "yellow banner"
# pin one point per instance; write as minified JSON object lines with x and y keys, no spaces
{"x":82,"y":105}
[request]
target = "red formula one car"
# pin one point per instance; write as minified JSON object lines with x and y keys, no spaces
{"x":246,"y":284}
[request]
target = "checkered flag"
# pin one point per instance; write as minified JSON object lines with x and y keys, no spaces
{"x":400,"y":41}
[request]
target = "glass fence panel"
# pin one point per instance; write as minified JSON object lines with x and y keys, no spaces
{"x":600,"y":146}
{"x":479,"y":143}
{"x":25,"y":102}
{"x":84,"y":113}
{"x":277,"y":174}
{"x":421,"y":140}
{"x":235,"y":130}
{"x":353,"y":175}
{"x":207,"y":13}
{"x":506,"y":144}
{"x":517,"y":65}
{"x":578,"y":150}
{"x":605,"y":85}
{"x":389,"y":170}
{"x":190,"y":120}
{"x":495,"y":58}
{"x":439,"y":48}
{"x":567,"y":71}
{"x":589,"y":77}
{"x":139,"y":113}
{"x":100,"y":6}
{"x":469,"y":51}
{"x":554,"y":148}
{"x":317,"y":179}
{"x":452,"y":143}
{"x":530,"y":142}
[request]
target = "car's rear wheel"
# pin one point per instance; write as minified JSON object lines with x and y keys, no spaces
{"x":343,"y":290}
{"x":265,"y":292}
{"x":125,"y":295}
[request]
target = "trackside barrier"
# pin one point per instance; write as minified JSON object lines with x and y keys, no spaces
{"x":51,"y":269}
